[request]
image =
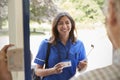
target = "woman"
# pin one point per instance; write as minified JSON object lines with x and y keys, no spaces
{"x":64,"y":48}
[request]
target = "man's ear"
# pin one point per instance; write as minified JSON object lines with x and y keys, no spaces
{"x":112,"y":18}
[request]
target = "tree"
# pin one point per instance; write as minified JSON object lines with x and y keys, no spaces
{"x":100,"y":2}
{"x":45,"y":10}
{"x":83,"y":10}
{"x":42,"y":10}
{"x":3,"y":12}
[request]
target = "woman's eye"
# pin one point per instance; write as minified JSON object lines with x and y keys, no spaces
{"x":67,"y":22}
{"x":60,"y":23}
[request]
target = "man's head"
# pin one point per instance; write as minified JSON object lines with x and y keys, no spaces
{"x":112,"y":14}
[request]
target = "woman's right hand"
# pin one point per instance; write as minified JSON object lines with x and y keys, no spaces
{"x":58,"y":68}
{"x":40,"y":71}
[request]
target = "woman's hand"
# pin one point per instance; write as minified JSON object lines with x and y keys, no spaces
{"x":58,"y":68}
{"x":40,"y":71}
{"x":82,"y":65}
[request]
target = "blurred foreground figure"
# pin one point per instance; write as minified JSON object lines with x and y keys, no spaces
{"x":112,"y":72}
{"x":4,"y":72}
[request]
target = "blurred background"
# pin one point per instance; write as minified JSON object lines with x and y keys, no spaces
{"x":89,"y":22}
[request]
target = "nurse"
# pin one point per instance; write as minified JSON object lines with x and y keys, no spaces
{"x":67,"y":53}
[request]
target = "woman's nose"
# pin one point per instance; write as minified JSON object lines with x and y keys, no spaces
{"x":64,"y":25}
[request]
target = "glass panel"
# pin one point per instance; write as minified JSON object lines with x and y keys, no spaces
{"x":6,"y":20}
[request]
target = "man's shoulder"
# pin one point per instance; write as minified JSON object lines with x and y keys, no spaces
{"x":110,"y":72}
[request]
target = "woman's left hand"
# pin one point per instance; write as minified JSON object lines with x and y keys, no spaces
{"x":82,"y":65}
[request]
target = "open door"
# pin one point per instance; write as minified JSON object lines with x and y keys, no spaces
{"x":18,"y":19}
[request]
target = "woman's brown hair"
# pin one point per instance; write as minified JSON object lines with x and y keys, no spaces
{"x":55,"y":34}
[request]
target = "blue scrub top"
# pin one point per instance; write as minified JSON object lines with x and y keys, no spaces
{"x":73,"y":52}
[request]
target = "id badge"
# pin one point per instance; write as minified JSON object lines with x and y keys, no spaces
{"x":67,"y":63}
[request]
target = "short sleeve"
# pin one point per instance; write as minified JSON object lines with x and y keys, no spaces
{"x":41,"y":55}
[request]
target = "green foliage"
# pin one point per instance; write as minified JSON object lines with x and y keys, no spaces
{"x":42,"y":11}
{"x":83,"y":10}
{"x":3,"y":12}
{"x":100,"y":2}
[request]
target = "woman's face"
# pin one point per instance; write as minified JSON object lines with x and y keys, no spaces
{"x":64,"y":26}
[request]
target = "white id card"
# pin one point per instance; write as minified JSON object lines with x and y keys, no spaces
{"x":66,"y":64}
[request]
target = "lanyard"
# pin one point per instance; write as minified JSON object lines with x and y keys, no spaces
{"x":59,"y":53}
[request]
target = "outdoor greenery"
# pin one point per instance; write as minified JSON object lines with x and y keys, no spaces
{"x":3,"y":12}
{"x":83,"y":10}
{"x":43,"y":11}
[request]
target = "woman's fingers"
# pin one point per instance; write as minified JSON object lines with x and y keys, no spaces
{"x":82,"y":65}
{"x":59,"y":67}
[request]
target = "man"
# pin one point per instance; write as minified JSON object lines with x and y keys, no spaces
{"x":4,"y":72}
{"x":111,"y":72}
